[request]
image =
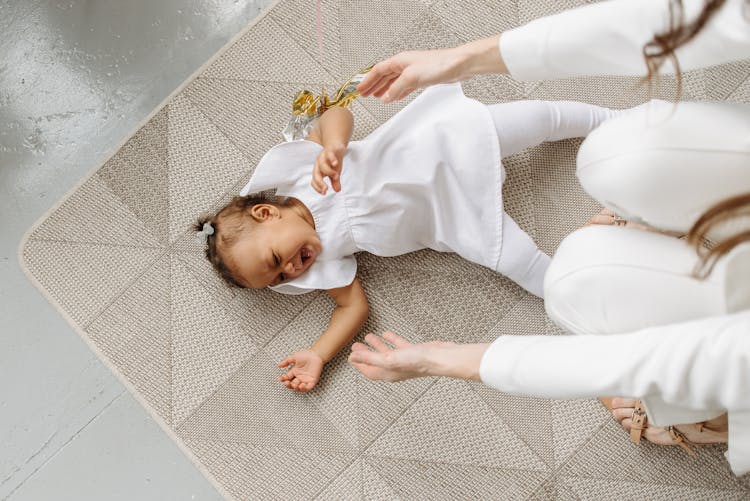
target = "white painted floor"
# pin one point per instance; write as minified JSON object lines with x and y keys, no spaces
{"x":76,"y":78}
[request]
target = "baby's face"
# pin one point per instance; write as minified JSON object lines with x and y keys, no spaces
{"x":279,"y":248}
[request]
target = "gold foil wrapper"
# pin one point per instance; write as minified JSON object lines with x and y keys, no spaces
{"x":306,"y":107}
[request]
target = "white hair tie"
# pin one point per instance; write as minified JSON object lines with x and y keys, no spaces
{"x":202,"y":236}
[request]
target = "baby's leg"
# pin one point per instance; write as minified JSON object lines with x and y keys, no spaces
{"x":521,"y":124}
{"x":520,"y":258}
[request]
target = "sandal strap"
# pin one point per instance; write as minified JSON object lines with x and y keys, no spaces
{"x":679,"y":438}
{"x":639,"y":422}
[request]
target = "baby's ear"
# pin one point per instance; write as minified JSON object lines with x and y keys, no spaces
{"x":264,"y":212}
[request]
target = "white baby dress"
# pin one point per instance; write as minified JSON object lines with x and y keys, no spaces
{"x":430,"y":177}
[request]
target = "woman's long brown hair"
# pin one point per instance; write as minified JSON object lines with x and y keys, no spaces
{"x":655,"y":53}
{"x":663,"y":46}
{"x":720,"y":213}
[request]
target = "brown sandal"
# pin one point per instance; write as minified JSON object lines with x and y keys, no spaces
{"x":639,"y":422}
{"x":639,"y":418}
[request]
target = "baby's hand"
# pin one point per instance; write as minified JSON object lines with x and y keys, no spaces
{"x":306,"y":371}
{"x":328,"y":164}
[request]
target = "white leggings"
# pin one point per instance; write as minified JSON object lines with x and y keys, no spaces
{"x":664,"y":166}
{"x":519,"y":125}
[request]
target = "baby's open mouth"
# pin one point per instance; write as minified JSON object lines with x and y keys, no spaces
{"x":306,"y":254}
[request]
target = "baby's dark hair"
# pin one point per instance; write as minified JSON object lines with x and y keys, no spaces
{"x":229,"y":224}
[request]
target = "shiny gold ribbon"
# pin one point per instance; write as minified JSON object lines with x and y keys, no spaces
{"x":306,"y":103}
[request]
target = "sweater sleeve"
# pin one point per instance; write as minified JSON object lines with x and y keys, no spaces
{"x":698,"y":364}
{"x":607,"y":38}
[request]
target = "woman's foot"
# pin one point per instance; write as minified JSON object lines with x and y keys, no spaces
{"x":713,"y":431}
{"x":608,"y":218}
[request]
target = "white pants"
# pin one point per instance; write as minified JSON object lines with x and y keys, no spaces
{"x":519,"y":125}
{"x":662,"y":166}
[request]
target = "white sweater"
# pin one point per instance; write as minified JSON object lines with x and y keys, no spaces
{"x":702,"y":364}
{"x":607,"y":38}
{"x":699,"y":365}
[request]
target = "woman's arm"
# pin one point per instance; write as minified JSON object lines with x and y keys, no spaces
{"x":402,"y":74}
{"x":332,"y":131}
{"x":605,"y":38}
{"x":407,"y":360}
{"x":698,"y":364}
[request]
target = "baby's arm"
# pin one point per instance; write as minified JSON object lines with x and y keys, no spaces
{"x":350,"y":313}
{"x":332,"y":131}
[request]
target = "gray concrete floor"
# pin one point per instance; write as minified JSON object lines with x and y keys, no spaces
{"x":76,"y":77}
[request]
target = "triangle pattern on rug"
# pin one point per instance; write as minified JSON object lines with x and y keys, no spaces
{"x":266,"y":54}
{"x":268,"y":471}
{"x":574,"y":422}
{"x":84,"y":278}
{"x":139,"y":176}
{"x":609,"y":455}
{"x":133,"y":332}
{"x":451,"y":424}
{"x":203,"y":165}
{"x":234,"y":107}
{"x":275,"y":416}
{"x":359,"y":481}
{"x":208,"y":343}
{"x":593,"y":488}
{"x":93,"y":215}
{"x":424,"y":479}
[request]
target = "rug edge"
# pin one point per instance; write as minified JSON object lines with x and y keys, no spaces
{"x":25,"y":239}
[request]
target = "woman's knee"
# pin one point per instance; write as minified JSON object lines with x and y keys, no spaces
{"x":607,"y":280}
{"x":665,"y":166}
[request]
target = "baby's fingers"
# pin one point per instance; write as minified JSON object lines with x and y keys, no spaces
{"x":317,"y":179}
{"x":332,"y":159}
{"x":332,"y":174}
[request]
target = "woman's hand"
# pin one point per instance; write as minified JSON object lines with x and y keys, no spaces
{"x":400,"y":75}
{"x":407,"y":360}
{"x":328,"y":164}
{"x":306,"y":371}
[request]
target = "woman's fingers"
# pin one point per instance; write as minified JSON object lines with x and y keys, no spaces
{"x":383,"y":69}
{"x":286,"y":361}
{"x":395,"y":339}
{"x":383,"y":86}
{"x":404,"y":85}
{"x":359,"y":347}
{"x":366,"y":357}
{"x":377,"y":343}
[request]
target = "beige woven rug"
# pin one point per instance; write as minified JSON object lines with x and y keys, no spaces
{"x":118,"y":260}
